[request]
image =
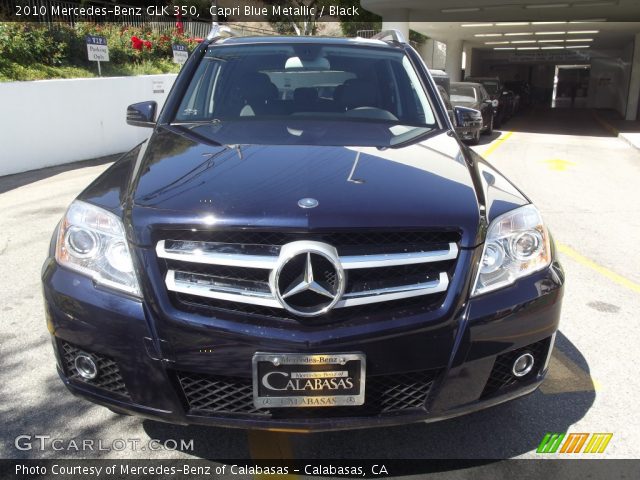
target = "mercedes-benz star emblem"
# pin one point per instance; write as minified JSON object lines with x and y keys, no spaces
{"x":309,"y":279}
{"x":307,"y":203}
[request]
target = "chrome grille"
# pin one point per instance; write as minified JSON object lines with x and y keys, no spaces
{"x":210,"y":271}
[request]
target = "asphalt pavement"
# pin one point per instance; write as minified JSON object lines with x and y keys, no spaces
{"x":584,"y":180}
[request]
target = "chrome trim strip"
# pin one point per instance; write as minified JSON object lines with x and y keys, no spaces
{"x":394,"y":259}
{"x":242,"y":296}
{"x":394,"y":293}
{"x":227,"y":259}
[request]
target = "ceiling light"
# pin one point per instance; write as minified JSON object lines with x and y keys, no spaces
{"x":582,"y":32}
{"x":519,"y":34}
{"x":511,"y":24}
{"x":504,"y":48}
{"x":557,"y":40}
{"x":471,"y":25}
{"x":459,"y":10}
{"x":595,"y":4}
{"x":523,"y":41}
{"x":590,"y":20}
{"x":488,"y":35}
{"x":548,"y":5}
{"x":496,"y":43}
{"x":580,"y":40}
{"x":550,"y":33}
{"x":577,"y":46}
{"x":546,"y":23}
{"x":528,"y":48}
{"x":551,"y":48}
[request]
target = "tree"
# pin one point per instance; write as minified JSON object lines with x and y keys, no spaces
{"x":365,"y":21}
{"x":299,"y":16}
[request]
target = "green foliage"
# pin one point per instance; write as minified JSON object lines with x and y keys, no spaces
{"x":366,"y":19}
{"x":34,"y":51}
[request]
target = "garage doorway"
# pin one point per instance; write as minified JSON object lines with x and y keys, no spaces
{"x":570,"y":86}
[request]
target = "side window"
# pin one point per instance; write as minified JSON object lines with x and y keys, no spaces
{"x":196,"y":103}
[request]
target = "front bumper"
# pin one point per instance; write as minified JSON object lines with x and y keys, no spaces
{"x":146,"y":377}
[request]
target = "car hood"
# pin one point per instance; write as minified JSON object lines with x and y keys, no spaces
{"x":182,"y":181}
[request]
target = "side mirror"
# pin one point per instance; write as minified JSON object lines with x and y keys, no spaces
{"x":465,"y":117}
{"x":142,"y":114}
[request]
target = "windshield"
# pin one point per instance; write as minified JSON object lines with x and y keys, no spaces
{"x":303,"y":92}
{"x":463,"y":93}
{"x":490,"y":86}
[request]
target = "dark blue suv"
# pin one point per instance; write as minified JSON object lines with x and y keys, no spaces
{"x":302,"y":243}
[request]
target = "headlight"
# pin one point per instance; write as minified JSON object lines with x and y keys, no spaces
{"x":517,"y":245}
{"x":92,"y":241}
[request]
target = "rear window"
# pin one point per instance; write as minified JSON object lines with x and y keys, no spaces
{"x":297,"y":84}
{"x":463,"y":93}
{"x":490,"y":86}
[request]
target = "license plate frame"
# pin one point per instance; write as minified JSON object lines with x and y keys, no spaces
{"x":322,"y":366}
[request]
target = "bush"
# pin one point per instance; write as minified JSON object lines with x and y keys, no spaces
{"x":27,"y":48}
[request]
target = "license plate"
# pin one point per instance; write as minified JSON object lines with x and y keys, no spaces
{"x":298,"y":380}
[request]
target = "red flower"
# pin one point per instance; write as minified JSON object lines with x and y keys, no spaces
{"x":147,"y":44}
{"x":136,"y":43}
{"x":199,"y":40}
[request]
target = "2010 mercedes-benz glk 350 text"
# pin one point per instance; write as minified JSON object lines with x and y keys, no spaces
{"x":302,"y":243}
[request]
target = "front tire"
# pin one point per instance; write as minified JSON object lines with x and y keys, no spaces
{"x":489,"y":129}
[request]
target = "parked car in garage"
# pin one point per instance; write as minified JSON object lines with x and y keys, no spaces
{"x":467,"y":121}
{"x":474,"y":95}
{"x":300,"y":262}
{"x":503,"y":105}
{"x":441,"y":78}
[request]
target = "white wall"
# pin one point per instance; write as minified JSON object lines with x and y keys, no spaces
{"x":52,"y":122}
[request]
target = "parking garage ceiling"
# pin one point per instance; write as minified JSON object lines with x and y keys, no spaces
{"x":542,"y":35}
{"x":519,"y":24}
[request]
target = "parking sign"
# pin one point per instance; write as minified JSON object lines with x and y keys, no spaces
{"x":97,"y":49}
{"x":180,"y":54}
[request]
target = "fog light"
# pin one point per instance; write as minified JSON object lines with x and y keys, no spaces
{"x":523,"y":365}
{"x":86,"y":367}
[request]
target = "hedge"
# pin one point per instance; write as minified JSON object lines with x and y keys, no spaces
{"x":31,"y":51}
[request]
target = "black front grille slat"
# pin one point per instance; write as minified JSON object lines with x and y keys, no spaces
{"x":363,"y":279}
{"x":368,"y":312}
{"x":221,"y":271}
{"x":347,"y":243}
{"x":109,"y":377}
{"x":384,"y":394}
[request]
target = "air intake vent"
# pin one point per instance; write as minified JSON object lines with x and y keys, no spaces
{"x":385,"y":394}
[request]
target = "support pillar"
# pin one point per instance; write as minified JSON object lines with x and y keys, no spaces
{"x":633,"y":97}
{"x":400,"y":22}
{"x":453,"y":62}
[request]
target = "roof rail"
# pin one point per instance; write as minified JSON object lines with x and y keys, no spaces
{"x":220,"y":31}
{"x":395,"y":35}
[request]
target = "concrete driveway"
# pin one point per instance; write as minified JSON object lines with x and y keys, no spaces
{"x":586,"y":183}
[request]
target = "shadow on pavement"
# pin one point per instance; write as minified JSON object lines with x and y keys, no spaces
{"x":17,"y":180}
{"x":487,"y":139}
{"x":504,"y":431}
